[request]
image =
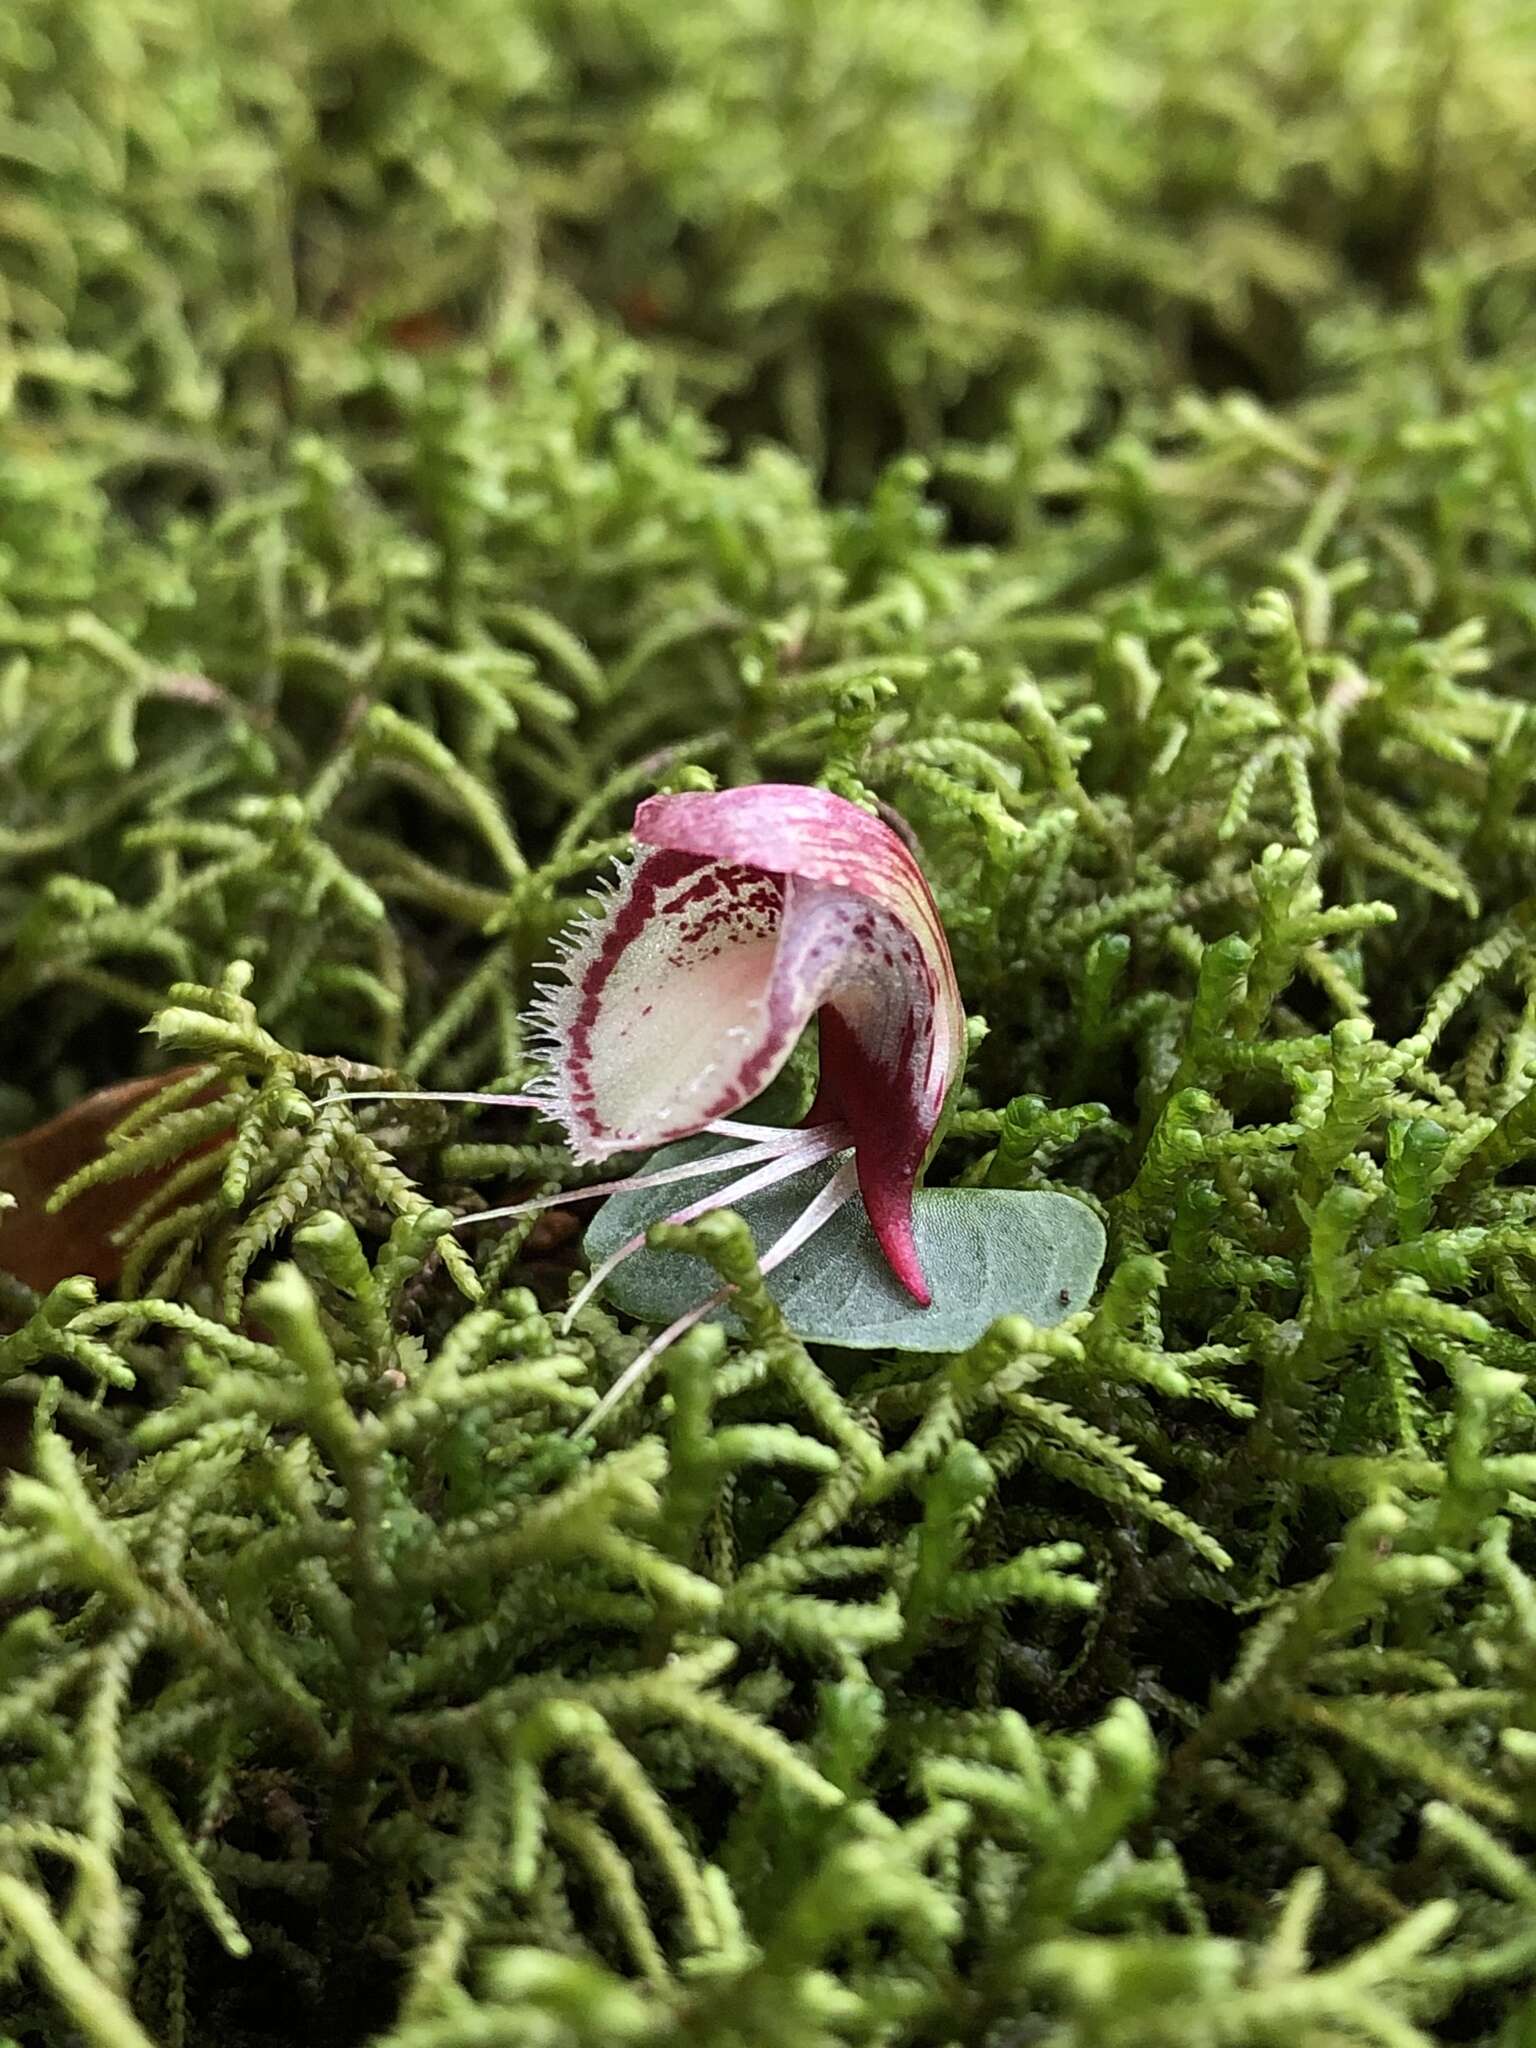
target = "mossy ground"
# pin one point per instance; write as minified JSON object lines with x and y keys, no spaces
{"x":1105,"y":433}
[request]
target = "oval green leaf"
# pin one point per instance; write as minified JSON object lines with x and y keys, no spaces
{"x":987,"y":1252}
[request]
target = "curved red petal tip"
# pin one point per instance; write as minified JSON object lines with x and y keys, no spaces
{"x":893,"y":1228}
{"x":890,"y":1142}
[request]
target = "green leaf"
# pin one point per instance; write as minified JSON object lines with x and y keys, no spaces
{"x":987,"y":1252}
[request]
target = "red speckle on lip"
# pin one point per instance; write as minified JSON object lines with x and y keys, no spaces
{"x":707,"y":885}
{"x":718,"y":896}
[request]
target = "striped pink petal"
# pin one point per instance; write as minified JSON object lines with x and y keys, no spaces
{"x":745,"y":914}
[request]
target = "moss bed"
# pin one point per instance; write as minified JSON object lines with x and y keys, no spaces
{"x":1104,"y":431}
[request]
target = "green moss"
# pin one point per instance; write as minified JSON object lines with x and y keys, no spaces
{"x":1105,"y":435}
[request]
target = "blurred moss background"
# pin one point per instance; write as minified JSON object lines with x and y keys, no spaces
{"x":856,"y":227}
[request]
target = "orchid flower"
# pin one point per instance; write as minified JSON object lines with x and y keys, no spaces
{"x":743,"y":915}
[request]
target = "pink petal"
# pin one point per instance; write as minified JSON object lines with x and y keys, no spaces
{"x":791,"y":830}
{"x":749,"y":912}
{"x":892,"y":1029}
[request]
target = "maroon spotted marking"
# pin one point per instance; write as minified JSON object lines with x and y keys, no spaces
{"x":659,"y":872}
